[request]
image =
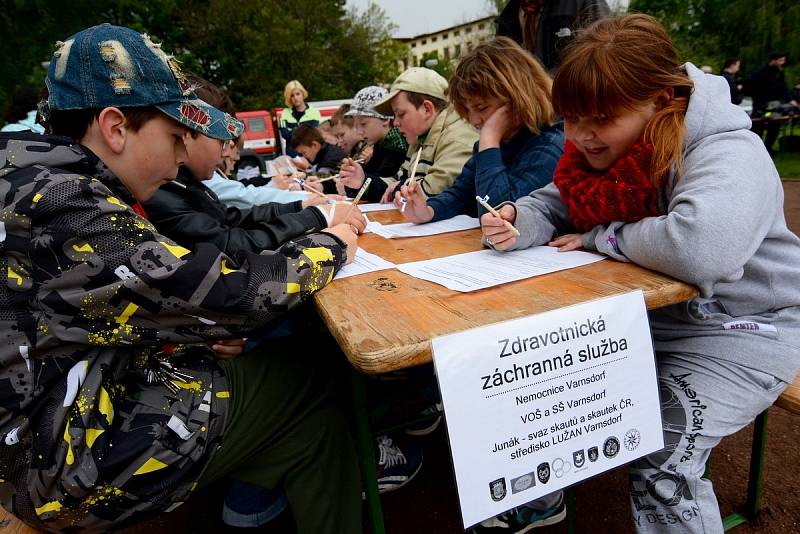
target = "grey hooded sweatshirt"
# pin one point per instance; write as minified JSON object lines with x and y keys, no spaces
{"x":724,"y":232}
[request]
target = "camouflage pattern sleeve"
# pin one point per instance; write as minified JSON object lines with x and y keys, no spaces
{"x":108,"y":278}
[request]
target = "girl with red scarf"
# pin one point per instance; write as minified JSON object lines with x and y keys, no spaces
{"x":661,"y":170}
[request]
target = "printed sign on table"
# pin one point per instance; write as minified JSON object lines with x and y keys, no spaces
{"x":537,"y":404}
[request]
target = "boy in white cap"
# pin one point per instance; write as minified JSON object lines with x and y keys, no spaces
{"x":389,"y":145}
{"x":418,"y":101}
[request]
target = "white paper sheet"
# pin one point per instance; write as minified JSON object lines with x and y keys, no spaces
{"x":375,"y":206}
{"x":459,"y":222}
{"x":486,"y":268}
{"x":364,"y":262}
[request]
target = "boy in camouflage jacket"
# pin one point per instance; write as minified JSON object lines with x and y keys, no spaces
{"x":110,"y":410}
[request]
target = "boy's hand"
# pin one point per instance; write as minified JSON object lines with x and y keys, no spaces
{"x":366,"y":154}
{"x":283,"y":181}
{"x":340,"y":187}
{"x":301,"y":163}
{"x":567,"y":242}
{"x":227,"y":349}
{"x":344,"y":215}
{"x":417,"y":209}
{"x":352,"y":174}
{"x":495,"y":230}
{"x":388,"y":195}
{"x":495,"y":128}
{"x":312,"y":182}
{"x":346,"y":234}
{"x":313,"y":200}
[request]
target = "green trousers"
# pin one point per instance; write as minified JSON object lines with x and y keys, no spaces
{"x":284,"y":431}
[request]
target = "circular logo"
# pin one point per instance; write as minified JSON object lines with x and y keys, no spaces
{"x":610,"y":447}
{"x":561,"y":467}
{"x":632,"y":439}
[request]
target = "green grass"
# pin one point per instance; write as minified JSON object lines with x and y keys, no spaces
{"x":788,"y":165}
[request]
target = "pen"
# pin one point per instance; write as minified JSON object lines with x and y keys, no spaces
{"x":302,"y":184}
{"x":490,"y":209}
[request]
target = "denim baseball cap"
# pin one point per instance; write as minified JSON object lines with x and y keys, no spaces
{"x":112,"y":66}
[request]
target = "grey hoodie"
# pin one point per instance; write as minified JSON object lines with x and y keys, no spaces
{"x":724,"y":231}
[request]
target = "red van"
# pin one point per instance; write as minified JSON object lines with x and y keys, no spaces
{"x":259,"y":138}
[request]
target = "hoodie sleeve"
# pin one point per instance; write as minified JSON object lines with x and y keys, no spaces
{"x":720,"y":211}
{"x":107,"y":277}
{"x":540,"y":216}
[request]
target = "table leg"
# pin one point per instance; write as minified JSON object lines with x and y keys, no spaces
{"x":366,"y":453}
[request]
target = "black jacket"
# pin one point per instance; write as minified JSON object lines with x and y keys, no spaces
{"x":557,"y":23}
{"x":766,"y":85}
{"x":384,"y":163}
{"x":736,"y":94}
{"x":189,"y":213}
{"x":329,"y":159}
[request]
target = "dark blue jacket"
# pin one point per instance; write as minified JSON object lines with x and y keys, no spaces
{"x":523,"y":164}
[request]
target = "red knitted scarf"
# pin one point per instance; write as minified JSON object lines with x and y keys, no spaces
{"x":624,"y":192}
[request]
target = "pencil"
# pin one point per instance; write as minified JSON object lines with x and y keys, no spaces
{"x":309,"y":189}
{"x":358,"y":197}
{"x":413,"y":172}
{"x":494,"y":212}
{"x":411,"y":176}
{"x":331,"y":177}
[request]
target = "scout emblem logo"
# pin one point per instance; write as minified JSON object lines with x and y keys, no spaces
{"x":611,"y":447}
{"x":522,"y":483}
{"x":632,"y":439}
{"x":592,"y":453}
{"x":497,"y":489}
{"x":578,"y":458}
{"x":543,"y":472}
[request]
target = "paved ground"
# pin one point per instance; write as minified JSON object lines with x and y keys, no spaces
{"x":429,"y":504}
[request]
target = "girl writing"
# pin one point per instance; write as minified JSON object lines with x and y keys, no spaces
{"x":662,"y":171}
{"x":505,"y":93}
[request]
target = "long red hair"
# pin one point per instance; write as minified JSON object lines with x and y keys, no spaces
{"x":621,"y":63}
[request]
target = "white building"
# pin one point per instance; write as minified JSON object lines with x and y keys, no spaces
{"x":449,"y":43}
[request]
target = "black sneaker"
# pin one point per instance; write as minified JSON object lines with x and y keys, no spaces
{"x":522,"y":519}
{"x":396,"y":466}
{"x":429,"y":419}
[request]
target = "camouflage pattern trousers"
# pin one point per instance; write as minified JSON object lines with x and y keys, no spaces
{"x":703,"y":399}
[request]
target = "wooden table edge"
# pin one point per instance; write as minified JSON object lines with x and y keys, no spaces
{"x":420,"y":353}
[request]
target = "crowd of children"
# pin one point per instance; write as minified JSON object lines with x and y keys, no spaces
{"x":136,"y":268}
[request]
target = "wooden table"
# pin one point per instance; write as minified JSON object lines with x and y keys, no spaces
{"x":385,"y":320}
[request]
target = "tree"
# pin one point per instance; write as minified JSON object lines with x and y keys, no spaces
{"x":251,"y":49}
{"x":496,"y":6}
{"x":431,"y":60}
{"x":709,"y":31}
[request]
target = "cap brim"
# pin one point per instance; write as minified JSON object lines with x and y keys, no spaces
{"x":384,"y":107}
{"x":203,"y":118}
{"x":368,"y":113}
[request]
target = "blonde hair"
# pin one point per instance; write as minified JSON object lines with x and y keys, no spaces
{"x":621,"y":63}
{"x":289,"y":89}
{"x":501,"y":69}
